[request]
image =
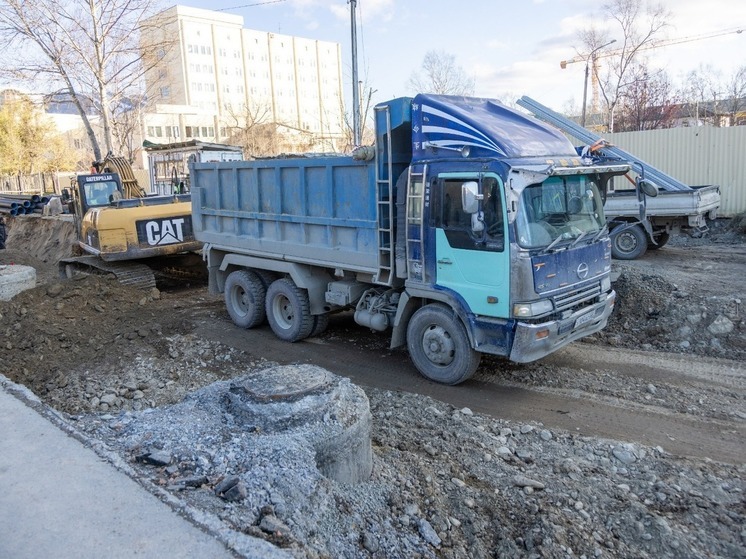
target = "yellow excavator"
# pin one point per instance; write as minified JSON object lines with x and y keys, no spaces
{"x":123,"y":231}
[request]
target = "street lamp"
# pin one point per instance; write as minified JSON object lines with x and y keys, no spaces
{"x":585,"y":84}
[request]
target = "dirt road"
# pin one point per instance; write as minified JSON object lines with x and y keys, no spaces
{"x":584,"y":388}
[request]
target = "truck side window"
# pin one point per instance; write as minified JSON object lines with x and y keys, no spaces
{"x":457,"y":223}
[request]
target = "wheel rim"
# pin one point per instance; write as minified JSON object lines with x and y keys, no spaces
{"x":241,"y":300}
{"x":438,"y":345}
{"x":626,"y":242}
{"x":283,"y":312}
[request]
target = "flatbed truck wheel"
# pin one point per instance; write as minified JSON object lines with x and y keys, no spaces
{"x":660,"y":240}
{"x":288,"y":311}
{"x":439,"y":346}
{"x":244,"y":298}
{"x":630,"y":243}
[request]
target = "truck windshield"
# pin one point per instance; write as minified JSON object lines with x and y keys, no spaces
{"x":560,"y":208}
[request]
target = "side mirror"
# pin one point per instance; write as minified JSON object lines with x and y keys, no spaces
{"x":648,"y":188}
{"x":66,"y":195}
{"x":470,"y":197}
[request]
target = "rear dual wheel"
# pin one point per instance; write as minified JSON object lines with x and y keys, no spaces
{"x":244,"y":298}
{"x":289,"y":311}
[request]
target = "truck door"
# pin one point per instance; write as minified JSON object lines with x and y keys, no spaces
{"x":472,"y":250}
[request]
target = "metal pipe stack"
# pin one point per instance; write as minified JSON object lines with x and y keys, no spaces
{"x":19,"y":204}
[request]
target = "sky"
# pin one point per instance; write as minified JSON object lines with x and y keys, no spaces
{"x":510,"y":48}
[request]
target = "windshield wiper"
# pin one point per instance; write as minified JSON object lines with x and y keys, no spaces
{"x":601,"y":233}
{"x":553,"y":243}
{"x":578,"y":238}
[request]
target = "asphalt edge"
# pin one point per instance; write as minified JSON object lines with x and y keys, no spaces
{"x":241,"y":545}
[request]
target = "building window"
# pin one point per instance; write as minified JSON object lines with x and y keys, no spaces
{"x":151,"y":131}
{"x":165,"y":91}
{"x":158,"y":132}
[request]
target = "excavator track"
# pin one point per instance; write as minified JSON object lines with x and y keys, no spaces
{"x":132,"y":274}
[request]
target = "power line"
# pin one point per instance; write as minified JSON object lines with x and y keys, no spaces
{"x":250,"y":5}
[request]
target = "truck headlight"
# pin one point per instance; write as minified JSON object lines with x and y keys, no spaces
{"x":606,"y":285}
{"x":535,"y":308}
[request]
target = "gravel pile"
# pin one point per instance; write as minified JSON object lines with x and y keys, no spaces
{"x":445,"y":483}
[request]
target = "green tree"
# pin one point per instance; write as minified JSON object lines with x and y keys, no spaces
{"x":29,"y":142}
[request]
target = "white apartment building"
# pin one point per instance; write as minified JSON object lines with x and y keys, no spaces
{"x":209,"y":77}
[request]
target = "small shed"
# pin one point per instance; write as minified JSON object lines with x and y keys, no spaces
{"x":168,"y":164}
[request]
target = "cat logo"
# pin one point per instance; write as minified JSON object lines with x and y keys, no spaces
{"x":168,"y":231}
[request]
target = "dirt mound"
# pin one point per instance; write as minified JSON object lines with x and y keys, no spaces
{"x":93,"y":344}
{"x":39,"y":242}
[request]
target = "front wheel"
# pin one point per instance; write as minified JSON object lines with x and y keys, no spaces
{"x":439,"y":346}
{"x":289,"y":311}
{"x":629,"y":243}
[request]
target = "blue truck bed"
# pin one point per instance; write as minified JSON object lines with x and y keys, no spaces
{"x":319,"y":210}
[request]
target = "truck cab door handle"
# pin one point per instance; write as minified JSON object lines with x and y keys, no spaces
{"x":445,"y":261}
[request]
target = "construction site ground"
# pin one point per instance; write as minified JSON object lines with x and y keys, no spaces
{"x":630,"y":443}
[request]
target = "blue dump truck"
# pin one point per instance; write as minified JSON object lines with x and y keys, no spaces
{"x":468,"y":228}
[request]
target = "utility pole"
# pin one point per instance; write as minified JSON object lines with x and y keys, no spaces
{"x":591,"y":56}
{"x":355,"y":92}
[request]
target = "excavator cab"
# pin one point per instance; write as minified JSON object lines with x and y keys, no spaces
{"x":99,"y":190}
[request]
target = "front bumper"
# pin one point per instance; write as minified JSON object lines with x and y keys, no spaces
{"x":534,"y":341}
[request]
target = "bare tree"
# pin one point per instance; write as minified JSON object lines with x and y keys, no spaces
{"x":640,"y":24}
{"x":700,"y":93}
{"x":735,"y":96}
{"x":126,"y":121}
{"x":87,"y":49}
{"x":440,"y":74}
{"x":253,"y":127}
{"x":714,"y":99}
{"x":648,"y":103}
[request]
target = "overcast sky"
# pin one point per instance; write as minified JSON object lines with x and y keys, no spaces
{"x":511,"y":48}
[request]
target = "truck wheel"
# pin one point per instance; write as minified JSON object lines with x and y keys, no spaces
{"x":289,"y":311}
{"x":244,"y":298}
{"x":320,"y":324}
{"x":439,"y":347}
{"x":630,"y":243}
{"x":661,"y":238}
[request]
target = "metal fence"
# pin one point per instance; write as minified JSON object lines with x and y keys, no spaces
{"x":39,"y":183}
{"x":696,"y":156}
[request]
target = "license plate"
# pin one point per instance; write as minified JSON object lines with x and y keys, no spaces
{"x":587,"y":317}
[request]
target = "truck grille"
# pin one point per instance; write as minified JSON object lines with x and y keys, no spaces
{"x":577,"y":298}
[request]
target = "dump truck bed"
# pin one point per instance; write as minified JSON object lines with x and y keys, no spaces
{"x":319,"y":210}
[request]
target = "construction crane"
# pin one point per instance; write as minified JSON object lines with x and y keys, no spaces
{"x":595,"y":55}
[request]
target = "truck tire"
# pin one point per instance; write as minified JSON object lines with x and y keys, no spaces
{"x":630,"y":243}
{"x":289,"y":311}
{"x":439,"y":347}
{"x":320,"y":324}
{"x":244,"y":298}
{"x":661,"y":239}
